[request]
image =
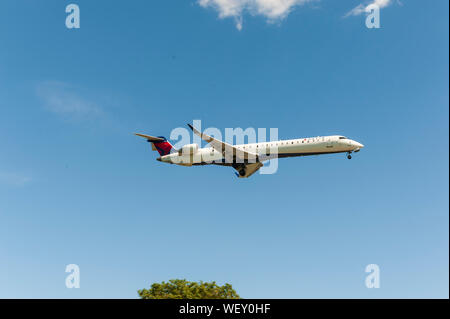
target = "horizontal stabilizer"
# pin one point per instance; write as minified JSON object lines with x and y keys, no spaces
{"x":151,"y":138}
{"x":159,"y":143}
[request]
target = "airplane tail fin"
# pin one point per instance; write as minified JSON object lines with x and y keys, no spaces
{"x":159,"y":144}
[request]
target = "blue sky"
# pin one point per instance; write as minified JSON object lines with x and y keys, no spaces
{"x":77,"y":187}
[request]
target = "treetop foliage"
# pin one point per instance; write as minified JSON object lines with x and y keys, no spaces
{"x":183,"y":289}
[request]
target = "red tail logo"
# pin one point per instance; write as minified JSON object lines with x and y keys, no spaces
{"x":164,"y":147}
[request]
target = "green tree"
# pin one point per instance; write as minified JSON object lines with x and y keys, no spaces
{"x":183,"y":289}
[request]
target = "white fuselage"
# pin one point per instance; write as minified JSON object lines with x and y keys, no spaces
{"x":268,"y":150}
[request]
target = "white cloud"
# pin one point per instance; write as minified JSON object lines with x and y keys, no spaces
{"x":61,"y":98}
{"x":273,"y":10}
{"x":14,"y":179}
{"x":361,"y":8}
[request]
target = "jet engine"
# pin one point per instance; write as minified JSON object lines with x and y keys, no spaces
{"x":189,"y":149}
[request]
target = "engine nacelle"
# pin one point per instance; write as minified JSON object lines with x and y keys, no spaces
{"x":189,"y":149}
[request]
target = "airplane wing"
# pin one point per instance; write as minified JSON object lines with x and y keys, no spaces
{"x":229,"y":151}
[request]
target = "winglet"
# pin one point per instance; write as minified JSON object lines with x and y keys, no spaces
{"x":197,"y":132}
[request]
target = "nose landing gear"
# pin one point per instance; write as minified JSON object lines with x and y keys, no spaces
{"x":349,"y":156}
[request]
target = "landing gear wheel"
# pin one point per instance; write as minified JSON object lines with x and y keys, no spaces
{"x":242,"y":172}
{"x":349,"y":156}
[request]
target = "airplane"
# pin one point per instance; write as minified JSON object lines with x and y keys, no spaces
{"x":246,"y":159}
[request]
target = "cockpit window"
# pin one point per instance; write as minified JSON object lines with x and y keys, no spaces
{"x":342,"y":138}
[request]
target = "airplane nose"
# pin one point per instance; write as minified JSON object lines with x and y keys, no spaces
{"x":360,"y":145}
